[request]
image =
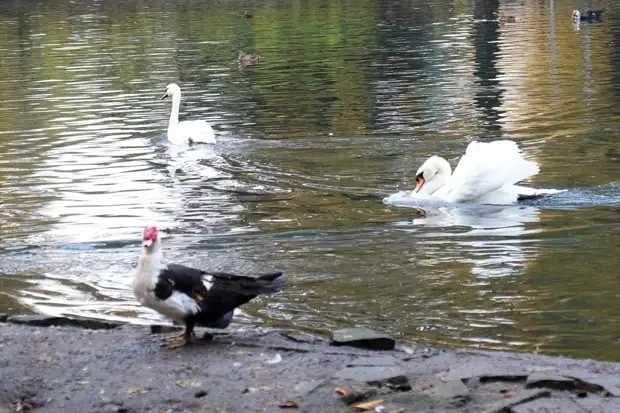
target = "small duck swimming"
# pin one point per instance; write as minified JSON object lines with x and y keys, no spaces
{"x":248,"y":59}
{"x":507,"y":19}
{"x":590,"y":15}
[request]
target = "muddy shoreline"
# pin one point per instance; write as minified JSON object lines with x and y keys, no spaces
{"x":78,"y":366}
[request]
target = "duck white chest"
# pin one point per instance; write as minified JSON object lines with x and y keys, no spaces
{"x":176,"y":307}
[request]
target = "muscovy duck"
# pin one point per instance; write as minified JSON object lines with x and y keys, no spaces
{"x":190,"y":296}
{"x":589,"y":15}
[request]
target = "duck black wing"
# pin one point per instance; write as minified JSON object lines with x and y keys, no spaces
{"x":217,"y":293}
{"x":592,"y":15}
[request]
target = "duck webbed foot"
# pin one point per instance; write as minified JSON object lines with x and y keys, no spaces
{"x":177,"y":340}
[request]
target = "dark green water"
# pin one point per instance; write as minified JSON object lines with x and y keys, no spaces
{"x":349,"y":98}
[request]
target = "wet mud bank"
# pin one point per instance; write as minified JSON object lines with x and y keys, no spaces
{"x":62,"y":365}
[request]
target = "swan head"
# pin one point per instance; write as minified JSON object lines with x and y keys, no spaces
{"x":172,"y":90}
{"x":576,"y":14}
{"x":432,"y":175}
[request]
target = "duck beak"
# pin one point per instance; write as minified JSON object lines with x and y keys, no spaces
{"x":165,"y":95}
{"x":419,"y":183}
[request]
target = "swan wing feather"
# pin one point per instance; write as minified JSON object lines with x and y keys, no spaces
{"x":199,"y":131}
{"x":487,"y":167}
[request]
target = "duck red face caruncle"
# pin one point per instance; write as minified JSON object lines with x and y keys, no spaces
{"x":149,"y":237}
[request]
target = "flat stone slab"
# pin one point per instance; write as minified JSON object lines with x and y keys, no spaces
{"x":374,"y":361}
{"x":453,"y":389}
{"x":413,"y":402}
{"x":362,"y":338}
{"x":550,"y":381}
{"x":553,"y":405}
{"x":599,"y":404}
{"x":488,"y":370}
{"x":47,"y":321}
{"x":373,"y":374}
{"x":611,"y":384}
{"x":523,"y":397}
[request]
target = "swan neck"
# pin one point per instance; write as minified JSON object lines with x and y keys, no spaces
{"x":174,"y":113}
{"x":441,"y":177}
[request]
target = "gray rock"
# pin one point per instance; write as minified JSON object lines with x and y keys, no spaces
{"x":502,"y":376}
{"x":374,"y":361}
{"x":373,"y":374}
{"x":611,"y":384}
{"x":414,"y":402}
{"x":362,"y":338}
{"x":307,"y":387}
{"x":454,"y":389}
{"x":488,"y":370}
{"x":550,"y":381}
{"x":599,"y":404}
{"x":299,"y":337}
{"x":47,"y":321}
{"x":551,"y":405}
{"x":523,"y":397}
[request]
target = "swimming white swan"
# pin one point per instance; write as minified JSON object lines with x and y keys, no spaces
{"x":486,"y":174}
{"x":194,"y":131}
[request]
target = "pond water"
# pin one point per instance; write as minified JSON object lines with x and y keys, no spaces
{"x":347,"y":101}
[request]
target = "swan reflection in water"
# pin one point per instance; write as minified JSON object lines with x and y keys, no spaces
{"x":488,"y":237}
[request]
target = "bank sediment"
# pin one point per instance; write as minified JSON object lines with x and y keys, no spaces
{"x":66,"y":365}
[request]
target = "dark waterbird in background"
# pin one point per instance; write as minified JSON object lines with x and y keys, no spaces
{"x":190,"y":296}
{"x":590,"y":15}
{"x":507,"y":19}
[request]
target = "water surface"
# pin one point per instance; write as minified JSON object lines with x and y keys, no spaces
{"x":349,"y":98}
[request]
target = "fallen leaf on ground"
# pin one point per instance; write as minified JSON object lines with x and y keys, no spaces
{"x":135,"y":390}
{"x":368,"y":406}
{"x":507,"y":396}
{"x":289,"y":404}
{"x":341,"y":390}
{"x":401,"y":410}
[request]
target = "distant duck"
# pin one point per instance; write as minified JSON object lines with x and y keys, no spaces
{"x":246,"y":14}
{"x":507,"y":19}
{"x":248,"y":59}
{"x":590,"y":15}
{"x":193,"y":131}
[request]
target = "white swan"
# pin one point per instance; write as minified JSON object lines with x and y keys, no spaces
{"x":486,"y":174}
{"x":194,"y":131}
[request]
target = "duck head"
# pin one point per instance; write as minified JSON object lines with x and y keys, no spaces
{"x":150,"y":240}
{"x":576,"y":15}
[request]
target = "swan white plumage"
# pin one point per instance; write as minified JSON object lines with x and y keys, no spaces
{"x":194,"y":131}
{"x":486,"y":174}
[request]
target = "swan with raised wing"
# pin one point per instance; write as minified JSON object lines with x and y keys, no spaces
{"x":486,"y":174}
{"x":194,"y":131}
